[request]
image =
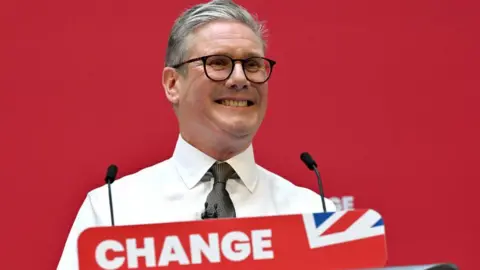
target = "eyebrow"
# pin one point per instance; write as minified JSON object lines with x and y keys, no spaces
{"x":247,"y":55}
{"x":252,"y":54}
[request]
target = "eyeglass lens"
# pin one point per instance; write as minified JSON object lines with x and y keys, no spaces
{"x":220,"y":67}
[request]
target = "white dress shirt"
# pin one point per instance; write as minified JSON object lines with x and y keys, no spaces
{"x":171,"y":191}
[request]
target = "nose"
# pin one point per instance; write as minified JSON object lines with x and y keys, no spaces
{"x":237,"y":80}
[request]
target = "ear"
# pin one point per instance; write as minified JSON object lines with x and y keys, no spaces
{"x":171,"y":84}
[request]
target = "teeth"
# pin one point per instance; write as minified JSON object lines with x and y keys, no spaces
{"x":235,"y":103}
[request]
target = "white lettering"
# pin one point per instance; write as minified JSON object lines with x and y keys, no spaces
{"x":211,"y":250}
{"x":101,"y":254}
{"x":148,"y":251}
{"x":343,"y":203}
{"x":347,"y":202}
{"x":337,"y":202}
{"x":234,"y":246}
{"x":172,"y":251}
{"x":259,"y":244}
{"x":241,"y":249}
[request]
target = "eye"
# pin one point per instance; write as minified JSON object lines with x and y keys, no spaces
{"x":218,"y":62}
{"x":254,"y":64}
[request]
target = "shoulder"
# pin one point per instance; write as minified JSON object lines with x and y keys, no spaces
{"x":293,"y":197}
{"x":137,"y":180}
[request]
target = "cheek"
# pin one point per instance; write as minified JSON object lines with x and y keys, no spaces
{"x":198,"y":94}
{"x":263,"y":92}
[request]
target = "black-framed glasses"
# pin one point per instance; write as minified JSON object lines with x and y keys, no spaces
{"x":220,"y":67}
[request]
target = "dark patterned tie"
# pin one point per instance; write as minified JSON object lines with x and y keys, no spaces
{"x":218,"y":201}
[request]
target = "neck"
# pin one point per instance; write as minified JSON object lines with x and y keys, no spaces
{"x":219,"y":149}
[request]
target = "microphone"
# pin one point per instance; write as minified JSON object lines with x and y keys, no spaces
{"x":209,"y":215}
{"x":312,"y":165}
{"x":109,"y":178}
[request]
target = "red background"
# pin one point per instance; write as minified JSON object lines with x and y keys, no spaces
{"x":384,"y":94}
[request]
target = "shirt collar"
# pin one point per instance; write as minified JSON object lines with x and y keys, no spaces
{"x":192,"y":164}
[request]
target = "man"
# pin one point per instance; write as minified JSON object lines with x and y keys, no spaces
{"x":216,"y":79}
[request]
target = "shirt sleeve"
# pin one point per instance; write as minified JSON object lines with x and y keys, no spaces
{"x":86,"y":218}
{"x":311,"y":202}
{"x":330,"y":205}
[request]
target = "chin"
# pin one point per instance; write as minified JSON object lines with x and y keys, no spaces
{"x":236,"y":130}
{"x":242,"y":131}
{"x":238,"y":127}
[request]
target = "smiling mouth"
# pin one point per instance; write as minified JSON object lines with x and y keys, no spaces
{"x":235,"y":103}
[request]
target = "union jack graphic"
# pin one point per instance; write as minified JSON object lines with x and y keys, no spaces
{"x":324,"y":229}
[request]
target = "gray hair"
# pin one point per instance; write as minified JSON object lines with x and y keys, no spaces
{"x":201,"y":14}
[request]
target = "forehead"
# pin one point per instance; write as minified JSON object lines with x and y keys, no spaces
{"x":225,"y":37}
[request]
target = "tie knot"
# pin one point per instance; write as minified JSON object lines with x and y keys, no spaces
{"x":222,"y":172}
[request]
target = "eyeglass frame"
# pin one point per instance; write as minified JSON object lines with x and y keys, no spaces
{"x":242,"y":61}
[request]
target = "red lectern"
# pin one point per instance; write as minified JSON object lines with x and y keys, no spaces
{"x":337,"y":240}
